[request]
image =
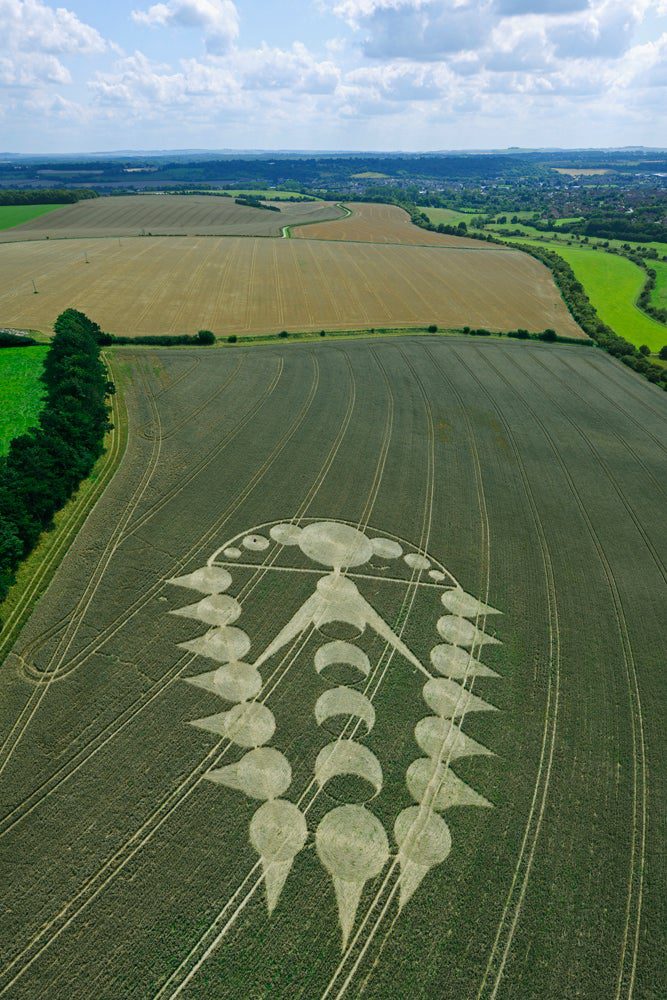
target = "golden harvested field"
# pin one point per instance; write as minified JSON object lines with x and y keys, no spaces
{"x":371,"y":223}
{"x":235,"y":285}
{"x":168,"y":215}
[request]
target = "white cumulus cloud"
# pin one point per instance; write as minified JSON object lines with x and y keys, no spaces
{"x":32,"y":26}
{"x":217,"y":19}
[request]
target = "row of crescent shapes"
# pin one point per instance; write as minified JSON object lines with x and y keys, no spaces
{"x":350,"y":840}
{"x":278,"y":829}
{"x":422,"y":835}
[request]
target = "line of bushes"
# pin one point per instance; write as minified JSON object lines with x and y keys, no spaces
{"x":44,"y":467}
{"x":644,"y":300}
{"x":548,"y":336}
{"x":251,"y":202}
{"x":46,"y":196}
{"x":8,"y":339}
{"x":202,"y":339}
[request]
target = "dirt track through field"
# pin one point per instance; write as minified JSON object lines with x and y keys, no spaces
{"x":378,"y":223}
{"x":171,"y":285}
{"x":457,"y":451}
{"x":168,"y":215}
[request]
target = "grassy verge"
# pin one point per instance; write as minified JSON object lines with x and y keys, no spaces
{"x":37,"y":570}
{"x":374,"y":332}
{"x":20,"y":391}
{"x":14,"y":215}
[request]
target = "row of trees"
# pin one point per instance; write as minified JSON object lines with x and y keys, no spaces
{"x":46,"y":196}
{"x":44,"y":467}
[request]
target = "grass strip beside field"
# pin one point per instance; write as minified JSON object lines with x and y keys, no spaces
{"x":36,"y":571}
{"x":286,"y":231}
{"x":20,"y":391}
{"x":15,"y":215}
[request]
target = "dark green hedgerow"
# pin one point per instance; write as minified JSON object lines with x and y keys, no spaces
{"x":16,"y":340}
{"x":46,"y":196}
{"x":44,"y":467}
{"x":203,"y":338}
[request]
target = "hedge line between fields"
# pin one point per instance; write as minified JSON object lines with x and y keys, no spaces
{"x":45,"y":196}
{"x":202,"y":339}
{"x":574,"y":295}
{"x":45,"y":466}
{"x":16,"y":339}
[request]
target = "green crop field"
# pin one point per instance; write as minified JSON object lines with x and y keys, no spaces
{"x":659,"y":296}
{"x":351,"y":684}
{"x":14,"y":215}
{"x":20,"y":390}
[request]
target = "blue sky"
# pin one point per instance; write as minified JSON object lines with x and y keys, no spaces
{"x":331,"y":74}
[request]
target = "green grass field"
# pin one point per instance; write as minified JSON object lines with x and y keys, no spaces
{"x":659,"y":297}
{"x":14,"y":215}
{"x":447,"y":216}
{"x":20,"y":390}
{"x":612,"y":283}
{"x":266,"y":193}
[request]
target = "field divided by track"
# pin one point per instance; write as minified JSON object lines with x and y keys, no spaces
{"x":20,"y":391}
{"x":378,"y":223}
{"x":537,"y":476}
{"x":177,"y":215}
{"x":235,"y":285}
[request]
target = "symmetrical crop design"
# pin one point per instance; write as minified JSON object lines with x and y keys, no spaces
{"x":344,"y":563}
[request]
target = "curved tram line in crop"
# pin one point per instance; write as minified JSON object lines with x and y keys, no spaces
{"x":627,"y":965}
{"x":418,"y":851}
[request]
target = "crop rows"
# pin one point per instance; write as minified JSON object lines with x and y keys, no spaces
{"x":130,"y":874}
{"x":234,"y":285}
